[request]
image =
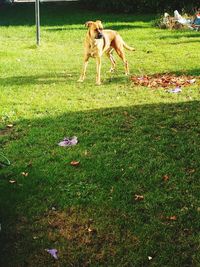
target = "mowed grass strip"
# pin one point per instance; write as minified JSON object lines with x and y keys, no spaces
{"x":133,"y":200}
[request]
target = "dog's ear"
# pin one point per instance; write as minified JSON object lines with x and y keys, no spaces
{"x":88,"y":23}
{"x":99,"y":24}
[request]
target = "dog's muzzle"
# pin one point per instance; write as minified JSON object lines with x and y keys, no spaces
{"x":99,"y":36}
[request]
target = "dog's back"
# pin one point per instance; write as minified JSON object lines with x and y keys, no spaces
{"x":115,"y":40}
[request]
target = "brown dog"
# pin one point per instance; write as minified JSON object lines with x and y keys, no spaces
{"x":99,"y":41}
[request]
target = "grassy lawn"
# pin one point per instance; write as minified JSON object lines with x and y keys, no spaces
{"x":133,"y":141}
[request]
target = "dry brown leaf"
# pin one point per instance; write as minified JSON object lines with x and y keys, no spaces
{"x":169,"y":218}
{"x":163,"y":80}
{"x":190,"y":171}
{"x":165,"y":177}
{"x":172,"y":218}
{"x":75,"y":163}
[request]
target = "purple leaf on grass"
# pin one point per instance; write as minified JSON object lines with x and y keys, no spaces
{"x":69,"y":141}
{"x":175,"y":90}
{"x":53,"y":252}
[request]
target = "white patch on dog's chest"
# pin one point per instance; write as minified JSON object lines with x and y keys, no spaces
{"x":95,"y":48}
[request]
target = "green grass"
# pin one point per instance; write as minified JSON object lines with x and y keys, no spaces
{"x":130,"y":137}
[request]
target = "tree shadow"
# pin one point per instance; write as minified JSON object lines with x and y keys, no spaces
{"x":184,"y":42}
{"x":49,"y":78}
{"x":128,"y":26}
{"x":71,"y":78}
{"x":181,"y":35}
{"x":65,"y":13}
{"x":193,"y":72}
{"x":123,"y":151}
{"x":113,"y":27}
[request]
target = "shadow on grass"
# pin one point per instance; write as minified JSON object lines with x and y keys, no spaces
{"x":48,"y":78}
{"x":127,"y":27}
{"x":72,"y":77}
{"x":60,"y":14}
{"x":184,"y":42}
{"x":123,"y":152}
{"x":193,"y":72}
{"x":113,"y":27}
{"x":181,"y":34}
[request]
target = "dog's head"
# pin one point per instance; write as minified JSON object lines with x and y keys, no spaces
{"x":95,"y":29}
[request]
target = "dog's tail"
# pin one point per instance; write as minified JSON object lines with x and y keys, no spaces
{"x":128,"y":47}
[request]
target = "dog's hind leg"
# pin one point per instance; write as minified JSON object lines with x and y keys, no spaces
{"x":121,"y":54}
{"x":112,"y":60}
{"x":82,"y":77}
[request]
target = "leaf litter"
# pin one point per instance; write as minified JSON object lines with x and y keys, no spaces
{"x":166,"y":80}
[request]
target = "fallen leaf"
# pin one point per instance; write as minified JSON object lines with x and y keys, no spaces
{"x":68,"y":141}
{"x":169,"y":218}
{"x":25,"y":174}
{"x":75,"y":163}
{"x":139,"y":197}
{"x":192,"y":81}
{"x":172,"y":218}
{"x":9,"y":125}
{"x":12,"y":181}
{"x":163,"y":80}
{"x":165,"y":178}
{"x":53,"y":252}
{"x":91,"y":230}
{"x":190,"y":171}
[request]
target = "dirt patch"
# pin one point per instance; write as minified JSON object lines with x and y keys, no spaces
{"x":166,"y":80}
{"x":79,"y":238}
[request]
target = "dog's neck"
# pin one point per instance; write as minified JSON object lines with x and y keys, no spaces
{"x":95,"y":42}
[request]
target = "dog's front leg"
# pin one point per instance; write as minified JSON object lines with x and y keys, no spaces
{"x":82,"y":77}
{"x":98,"y":77}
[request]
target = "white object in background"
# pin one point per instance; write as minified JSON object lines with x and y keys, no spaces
{"x":180,"y":19}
